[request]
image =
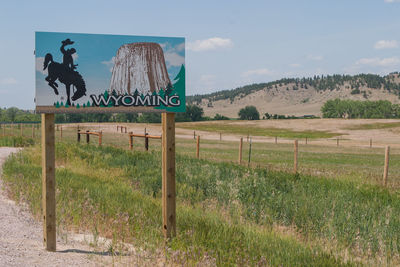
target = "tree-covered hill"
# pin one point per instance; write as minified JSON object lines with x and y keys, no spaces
{"x":390,"y":83}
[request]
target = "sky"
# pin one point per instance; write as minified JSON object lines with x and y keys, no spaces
{"x":228,"y":43}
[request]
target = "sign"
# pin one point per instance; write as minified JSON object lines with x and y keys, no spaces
{"x":96,"y":73}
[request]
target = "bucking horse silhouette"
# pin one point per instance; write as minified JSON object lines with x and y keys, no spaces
{"x":66,"y":76}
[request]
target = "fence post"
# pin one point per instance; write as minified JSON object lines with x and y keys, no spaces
{"x":194,"y":135}
{"x":198,"y":147}
{"x":276,"y":139}
{"x":87,"y":137}
{"x":33,"y":131}
{"x":117,"y":128}
{"x":61,"y":132}
{"x":100,"y":137}
{"x":386,"y":168}
{"x":306,"y":140}
{"x":79,"y":135}
{"x":130,"y":141}
{"x":125,"y":130}
{"x":337,"y":141}
{"x":296,"y":149}
{"x":249,"y":153}
{"x":240,"y":149}
{"x":220,"y":136}
{"x":146,"y":142}
{"x":370,"y":142}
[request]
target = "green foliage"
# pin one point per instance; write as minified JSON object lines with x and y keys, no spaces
{"x":219,"y":117}
{"x":92,"y":196}
{"x":16,"y":141}
{"x":249,"y":113}
{"x":338,"y":108}
{"x":14,"y":114}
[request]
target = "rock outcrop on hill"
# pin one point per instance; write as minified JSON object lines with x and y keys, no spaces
{"x":141,"y":67}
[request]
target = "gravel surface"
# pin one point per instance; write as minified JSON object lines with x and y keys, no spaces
{"x":21,"y":237}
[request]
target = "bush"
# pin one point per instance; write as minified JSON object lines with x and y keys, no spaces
{"x":249,"y":113}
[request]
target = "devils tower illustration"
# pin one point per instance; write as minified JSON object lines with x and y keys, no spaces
{"x":141,"y":67}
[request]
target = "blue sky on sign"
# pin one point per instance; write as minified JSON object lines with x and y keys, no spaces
{"x":94,"y":56}
{"x":228,"y":43}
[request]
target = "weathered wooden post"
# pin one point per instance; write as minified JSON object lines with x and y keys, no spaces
{"x":249,"y":152}
{"x":220,"y":136}
{"x":276,"y":139}
{"x":48,"y":182}
{"x":386,"y":167}
{"x":125,"y":129}
{"x":306,"y":140}
{"x":100,"y":137}
{"x":194,"y":135}
{"x":337,"y":141}
{"x":87,"y":137}
{"x":168,"y":175}
{"x":130,"y":141}
{"x":79,"y":135}
{"x":296,"y":148}
{"x":146,"y":142}
{"x":117,"y":128}
{"x":370,"y":143}
{"x":61,"y":132}
{"x":240,"y":149}
{"x":198,"y":147}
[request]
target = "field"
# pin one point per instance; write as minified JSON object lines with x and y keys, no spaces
{"x":335,"y":211}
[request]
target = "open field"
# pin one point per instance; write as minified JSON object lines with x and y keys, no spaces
{"x":335,"y":211}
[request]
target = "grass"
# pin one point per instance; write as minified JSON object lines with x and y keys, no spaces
{"x":116,"y":193}
{"x":377,"y":125}
{"x":234,"y":128}
{"x":16,"y":141}
{"x":225,"y":210}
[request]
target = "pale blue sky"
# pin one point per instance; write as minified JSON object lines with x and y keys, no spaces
{"x":228,"y":43}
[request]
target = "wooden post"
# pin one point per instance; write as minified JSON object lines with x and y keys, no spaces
{"x":198,"y":147}
{"x":276,"y":139}
{"x":249,"y":152}
{"x":247,"y":137}
{"x":33,"y":131}
{"x":337,"y":141}
{"x":125,"y":130}
{"x":48,"y":182}
{"x":79,"y":135}
{"x":117,"y":128}
{"x":168,"y":175}
{"x":61,"y":132}
{"x":370,"y":143}
{"x":194,"y":135}
{"x":306,"y":140}
{"x":240,"y":149}
{"x":220,"y":136}
{"x":146,"y":142}
{"x":100,"y":138}
{"x":87,"y":137}
{"x":386,"y":167}
{"x":296,"y":149}
{"x":130,"y":141}
{"x":145,"y":132}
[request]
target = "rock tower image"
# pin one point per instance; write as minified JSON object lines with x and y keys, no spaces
{"x":141,"y":67}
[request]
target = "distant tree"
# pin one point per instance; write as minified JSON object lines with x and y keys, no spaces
{"x":219,"y":117}
{"x":249,"y":113}
{"x":267,"y":116}
{"x":195,"y":113}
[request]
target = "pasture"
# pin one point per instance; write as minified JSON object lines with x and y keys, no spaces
{"x":334,"y":211}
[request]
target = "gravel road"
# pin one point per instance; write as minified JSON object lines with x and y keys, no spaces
{"x":21,"y":238}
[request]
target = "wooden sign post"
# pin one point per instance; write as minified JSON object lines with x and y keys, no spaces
{"x":48,"y":182}
{"x":168,"y":175}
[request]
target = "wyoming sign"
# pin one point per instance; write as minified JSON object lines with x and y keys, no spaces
{"x":78,"y":73}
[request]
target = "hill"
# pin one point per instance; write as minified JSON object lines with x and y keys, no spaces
{"x":300,"y":96}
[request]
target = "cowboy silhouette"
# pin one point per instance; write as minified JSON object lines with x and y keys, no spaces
{"x":65,"y":72}
{"x":67,"y":58}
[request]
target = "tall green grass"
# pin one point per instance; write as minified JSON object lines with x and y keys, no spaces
{"x":16,"y":141}
{"x":115,"y":193}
